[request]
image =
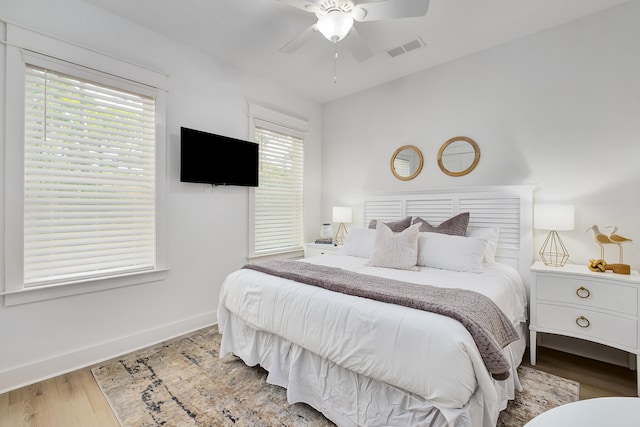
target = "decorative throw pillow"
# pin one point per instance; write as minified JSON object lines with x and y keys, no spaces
{"x":490,"y":236}
{"x":447,"y":252}
{"x":395,"y":250}
{"x":395,"y":226}
{"x":359,"y":242}
{"x":456,"y":225}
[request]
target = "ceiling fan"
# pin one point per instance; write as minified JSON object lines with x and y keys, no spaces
{"x":336,"y":20}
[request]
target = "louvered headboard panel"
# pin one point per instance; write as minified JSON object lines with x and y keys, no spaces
{"x":385,"y":210}
{"x":507,"y":207}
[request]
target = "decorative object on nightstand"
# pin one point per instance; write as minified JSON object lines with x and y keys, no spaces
{"x":597,"y":265}
{"x":553,"y":218}
{"x":326,"y":232}
{"x":618,"y":240}
{"x":600,"y":265}
{"x":600,"y":238}
{"x":324,"y":241}
{"x":342,"y":215}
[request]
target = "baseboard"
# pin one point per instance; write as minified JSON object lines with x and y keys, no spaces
{"x":63,"y":363}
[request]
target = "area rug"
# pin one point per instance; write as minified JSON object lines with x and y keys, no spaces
{"x":542,"y":391}
{"x":184,"y":382}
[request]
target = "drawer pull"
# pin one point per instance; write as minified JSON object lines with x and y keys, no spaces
{"x":583,"y":322}
{"x":583,"y":292}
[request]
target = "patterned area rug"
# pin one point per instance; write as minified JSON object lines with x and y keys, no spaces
{"x":542,"y":391}
{"x":183,"y":382}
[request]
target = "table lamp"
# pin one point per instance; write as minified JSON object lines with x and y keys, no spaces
{"x":341,"y":215}
{"x":553,"y":218}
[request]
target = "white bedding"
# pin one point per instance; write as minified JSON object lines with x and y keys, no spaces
{"x":425,"y":354}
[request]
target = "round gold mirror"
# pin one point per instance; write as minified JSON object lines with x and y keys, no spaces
{"x":406,"y":162}
{"x":458,"y":156}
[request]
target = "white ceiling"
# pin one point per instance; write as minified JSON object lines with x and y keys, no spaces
{"x":248,"y":34}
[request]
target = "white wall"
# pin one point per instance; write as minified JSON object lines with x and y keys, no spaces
{"x":560,"y":109}
{"x":207,"y":228}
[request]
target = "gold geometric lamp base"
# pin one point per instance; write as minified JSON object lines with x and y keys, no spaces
{"x":342,"y":215}
{"x":553,"y":252}
{"x":341,"y":234}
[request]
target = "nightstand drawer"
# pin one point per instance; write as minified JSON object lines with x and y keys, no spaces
{"x":589,"y":293}
{"x":312,"y":249}
{"x":601,"y":327}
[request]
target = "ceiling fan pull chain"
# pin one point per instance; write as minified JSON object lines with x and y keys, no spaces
{"x":335,"y":63}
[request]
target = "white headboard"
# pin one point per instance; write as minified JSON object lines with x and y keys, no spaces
{"x":506,"y":207}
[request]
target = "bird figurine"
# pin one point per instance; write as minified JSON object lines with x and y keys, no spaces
{"x":617,"y":239}
{"x":600,"y":238}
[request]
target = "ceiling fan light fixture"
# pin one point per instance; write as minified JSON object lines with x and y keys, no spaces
{"x":335,"y":25}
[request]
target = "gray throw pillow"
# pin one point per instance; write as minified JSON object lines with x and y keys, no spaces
{"x":456,"y":226}
{"x":395,"y":226}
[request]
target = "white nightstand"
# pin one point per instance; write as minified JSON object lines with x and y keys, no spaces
{"x":577,"y":302}
{"x":313,"y":249}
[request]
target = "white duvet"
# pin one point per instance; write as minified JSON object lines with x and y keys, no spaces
{"x":424,"y":353}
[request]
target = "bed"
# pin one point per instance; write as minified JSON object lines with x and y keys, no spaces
{"x":366,"y":361}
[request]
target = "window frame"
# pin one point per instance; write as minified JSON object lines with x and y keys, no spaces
{"x":282,"y":123}
{"x":23,"y":45}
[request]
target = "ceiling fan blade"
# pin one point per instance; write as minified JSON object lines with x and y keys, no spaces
{"x":306,"y":5}
{"x":300,"y":40}
{"x":357,"y":46}
{"x":389,"y":9}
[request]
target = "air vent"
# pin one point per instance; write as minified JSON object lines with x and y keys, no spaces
{"x":406,"y":47}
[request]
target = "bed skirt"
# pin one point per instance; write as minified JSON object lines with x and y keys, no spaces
{"x":350,"y":399}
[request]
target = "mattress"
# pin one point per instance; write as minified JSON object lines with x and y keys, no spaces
{"x":432,"y":358}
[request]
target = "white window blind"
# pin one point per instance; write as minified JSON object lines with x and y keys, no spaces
{"x":89,"y":179}
{"x":279,"y":199}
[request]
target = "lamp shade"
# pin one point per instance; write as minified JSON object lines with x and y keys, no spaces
{"x":553,"y":217}
{"x":335,"y":25}
{"x":342,"y":214}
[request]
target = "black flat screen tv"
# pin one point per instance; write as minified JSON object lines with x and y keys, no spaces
{"x":218,"y":160}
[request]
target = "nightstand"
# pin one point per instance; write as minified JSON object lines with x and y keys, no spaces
{"x":577,"y":302}
{"x":313,"y":249}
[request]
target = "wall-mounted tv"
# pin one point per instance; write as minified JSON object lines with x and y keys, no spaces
{"x":215,"y":159}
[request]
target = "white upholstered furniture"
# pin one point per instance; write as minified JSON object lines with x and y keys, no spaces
{"x":603,"y":411}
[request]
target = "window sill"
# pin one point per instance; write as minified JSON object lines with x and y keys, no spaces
{"x":59,"y":290}
{"x":290,"y":253}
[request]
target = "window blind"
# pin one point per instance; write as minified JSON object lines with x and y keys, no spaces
{"x":89,"y":174}
{"x":279,"y":199}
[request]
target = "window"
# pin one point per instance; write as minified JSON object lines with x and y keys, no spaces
{"x":83,"y":186}
{"x":89,"y":165}
{"x":277,"y":204}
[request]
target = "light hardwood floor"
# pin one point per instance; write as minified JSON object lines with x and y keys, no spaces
{"x":75,"y":400}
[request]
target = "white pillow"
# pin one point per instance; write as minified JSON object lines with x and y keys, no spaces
{"x":395,"y":250}
{"x":490,"y":235}
{"x":447,"y":252}
{"x":359,"y":242}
